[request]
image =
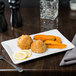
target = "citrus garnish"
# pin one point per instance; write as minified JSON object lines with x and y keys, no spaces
{"x":28,"y":52}
{"x":20,"y":55}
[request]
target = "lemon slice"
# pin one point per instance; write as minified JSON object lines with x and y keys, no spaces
{"x":20,"y":55}
{"x":28,"y":52}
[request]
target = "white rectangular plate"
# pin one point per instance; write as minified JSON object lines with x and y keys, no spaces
{"x":11,"y":46}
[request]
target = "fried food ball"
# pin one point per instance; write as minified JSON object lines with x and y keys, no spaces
{"x":38,"y":46}
{"x":24,"y":42}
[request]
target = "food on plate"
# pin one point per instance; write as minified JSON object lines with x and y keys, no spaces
{"x":51,"y":42}
{"x":44,"y":37}
{"x":19,"y":55}
{"x":54,"y":44}
{"x":58,"y":39}
{"x":47,"y":37}
{"x":59,"y":46}
{"x":24,"y":42}
{"x":38,"y":46}
{"x":41,"y":43}
{"x":28,"y":52}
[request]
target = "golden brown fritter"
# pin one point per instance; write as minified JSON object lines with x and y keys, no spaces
{"x":24,"y":42}
{"x":38,"y":46}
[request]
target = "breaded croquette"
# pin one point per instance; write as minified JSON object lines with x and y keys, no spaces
{"x":38,"y":46}
{"x":24,"y":42}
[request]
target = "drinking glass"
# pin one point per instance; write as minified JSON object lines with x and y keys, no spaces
{"x":48,"y":9}
{"x":48,"y":14}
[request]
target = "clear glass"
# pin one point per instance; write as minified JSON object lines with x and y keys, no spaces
{"x":47,"y":24}
{"x":73,"y":5}
{"x":48,"y":9}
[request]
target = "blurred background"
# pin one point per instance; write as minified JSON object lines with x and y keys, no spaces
{"x":35,"y":3}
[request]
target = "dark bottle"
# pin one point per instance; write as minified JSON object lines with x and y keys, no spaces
{"x":3,"y":22}
{"x":15,"y":19}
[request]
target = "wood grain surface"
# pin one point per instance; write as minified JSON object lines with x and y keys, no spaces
{"x":31,"y":24}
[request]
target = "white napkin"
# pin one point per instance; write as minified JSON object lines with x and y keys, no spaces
{"x":70,"y":54}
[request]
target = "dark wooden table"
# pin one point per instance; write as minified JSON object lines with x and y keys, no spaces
{"x":66,"y":24}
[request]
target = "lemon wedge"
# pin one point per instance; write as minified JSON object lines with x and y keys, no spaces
{"x":28,"y":52}
{"x":20,"y":55}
